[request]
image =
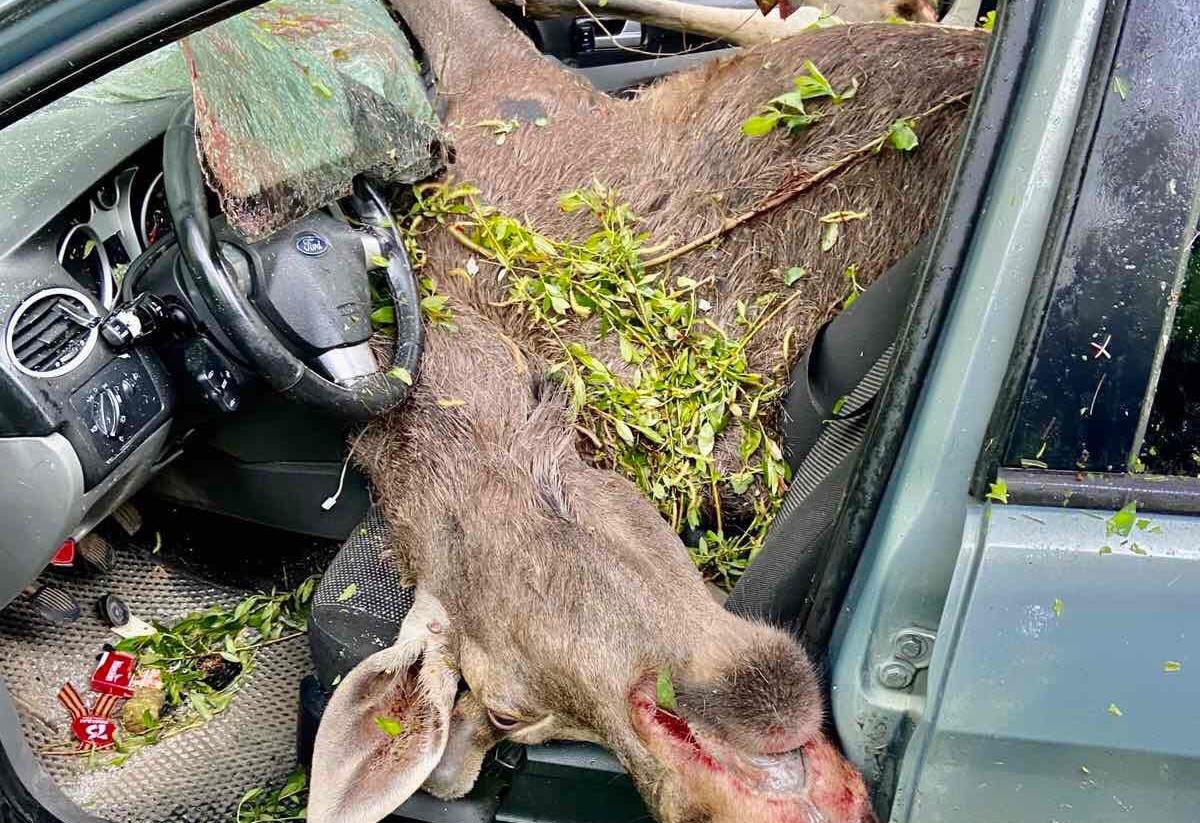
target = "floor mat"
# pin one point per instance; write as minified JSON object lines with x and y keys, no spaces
{"x":195,"y":777}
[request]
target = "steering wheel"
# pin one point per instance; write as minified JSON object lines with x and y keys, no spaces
{"x":301,"y":296}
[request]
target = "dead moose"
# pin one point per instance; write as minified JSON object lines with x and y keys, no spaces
{"x":552,"y":588}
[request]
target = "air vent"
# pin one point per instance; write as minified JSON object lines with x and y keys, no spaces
{"x":52,"y":332}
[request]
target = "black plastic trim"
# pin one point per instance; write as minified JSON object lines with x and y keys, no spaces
{"x":111,"y":42}
{"x":1041,"y":288}
{"x":1094,"y":490}
{"x":990,"y":112}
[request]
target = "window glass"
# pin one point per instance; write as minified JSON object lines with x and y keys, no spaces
{"x":1172,"y":441}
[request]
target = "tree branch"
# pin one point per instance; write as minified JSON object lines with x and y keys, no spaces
{"x":741,"y":27}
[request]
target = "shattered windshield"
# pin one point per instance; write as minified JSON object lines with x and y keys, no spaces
{"x":294,"y":98}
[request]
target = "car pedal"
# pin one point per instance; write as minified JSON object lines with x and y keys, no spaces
{"x":129,"y":518}
{"x":55,"y":605}
{"x":98,"y":553}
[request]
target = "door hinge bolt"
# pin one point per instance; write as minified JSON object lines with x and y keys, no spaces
{"x":897,"y":674}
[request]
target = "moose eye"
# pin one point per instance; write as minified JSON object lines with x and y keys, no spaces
{"x":502,"y":721}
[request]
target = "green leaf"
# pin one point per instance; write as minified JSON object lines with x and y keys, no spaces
{"x":348,"y":592}
{"x":829,"y":237}
{"x":988,"y":21}
{"x":322,"y":89}
{"x":1058,"y":607}
{"x":402,"y":374}
{"x":664,"y":690}
{"x":794,"y":275}
{"x":542,"y":122}
{"x":295,"y":784}
{"x":1114,"y":710}
{"x":390,"y":726}
{"x":379,"y":261}
{"x":1121,"y":523}
{"x":623,"y":431}
{"x":706,"y":440}
{"x":88,"y":248}
{"x":998,"y":491}
{"x":793,"y":100}
{"x":1120,"y":86}
{"x":902,"y":134}
{"x":1170,"y":666}
{"x":200,"y":703}
{"x":838,"y":405}
{"x":627,"y":350}
{"x":384,"y":316}
{"x":761,"y":125}
{"x":579,"y":391}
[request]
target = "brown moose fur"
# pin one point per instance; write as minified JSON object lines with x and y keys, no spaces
{"x":565,"y":589}
{"x":676,"y":154}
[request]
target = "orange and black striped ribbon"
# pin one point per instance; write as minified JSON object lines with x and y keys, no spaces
{"x":75,"y":705}
{"x":72,"y":701}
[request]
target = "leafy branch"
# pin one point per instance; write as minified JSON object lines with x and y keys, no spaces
{"x":687,"y":381}
{"x":196,"y":666}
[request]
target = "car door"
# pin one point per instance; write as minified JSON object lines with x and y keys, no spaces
{"x":1044,"y":666}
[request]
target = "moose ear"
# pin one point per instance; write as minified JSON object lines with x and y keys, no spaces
{"x":386,"y":725}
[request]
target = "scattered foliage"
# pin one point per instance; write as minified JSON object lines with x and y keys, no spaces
{"x":664,"y":690}
{"x":998,"y":491}
{"x":203,"y":659}
{"x":902,"y":134}
{"x":1120,"y":86}
{"x":285,"y":803}
{"x":788,"y":110}
{"x":689,"y":381}
{"x":500,"y":129}
{"x":390,"y":726}
{"x":1122,"y":522}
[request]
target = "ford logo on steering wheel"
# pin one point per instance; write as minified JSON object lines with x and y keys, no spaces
{"x":312,"y":244}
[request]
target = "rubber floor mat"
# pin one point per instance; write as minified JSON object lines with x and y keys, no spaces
{"x":197,"y":776}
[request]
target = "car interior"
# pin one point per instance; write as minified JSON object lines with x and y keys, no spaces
{"x":176,"y":432}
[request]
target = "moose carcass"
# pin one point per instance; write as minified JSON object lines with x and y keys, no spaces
{"x":552,"y":588}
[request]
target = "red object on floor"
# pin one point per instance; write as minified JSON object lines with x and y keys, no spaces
{"x":92,"y":728}
{"x":113,"y":674}
{"x":94,"y":731}
{"x":65,"y":556}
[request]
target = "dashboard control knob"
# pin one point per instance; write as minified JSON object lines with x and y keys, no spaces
{"x":106,"y":412}
{"x":128,"y":387}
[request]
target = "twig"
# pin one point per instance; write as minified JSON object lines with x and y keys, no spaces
{"x":260,"y":645}
{"x":794,"y":189}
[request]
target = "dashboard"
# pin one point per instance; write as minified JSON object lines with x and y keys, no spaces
{"x":82,"y":425}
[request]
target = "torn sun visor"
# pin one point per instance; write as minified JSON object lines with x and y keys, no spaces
{"x":296,"y":97}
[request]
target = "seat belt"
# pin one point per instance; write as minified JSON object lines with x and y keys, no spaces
{"x":823,"y":424}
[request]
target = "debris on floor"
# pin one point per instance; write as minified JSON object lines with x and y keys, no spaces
{"x":186,"y":672}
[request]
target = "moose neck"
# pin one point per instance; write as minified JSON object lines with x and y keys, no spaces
{"x":475,"y":51}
